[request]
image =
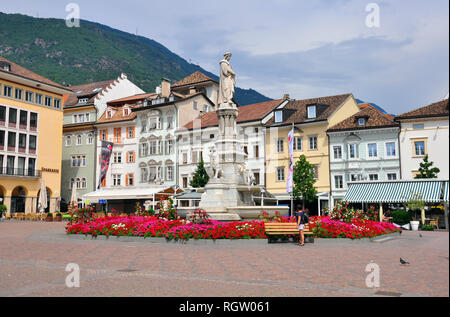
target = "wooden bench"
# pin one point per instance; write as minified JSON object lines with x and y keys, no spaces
{"x":275,"y":230}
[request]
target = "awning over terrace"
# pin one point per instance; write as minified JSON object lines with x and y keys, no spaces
{"x":446,"y":189}
{"x":430,"y":191}
{"x":133,"y":193}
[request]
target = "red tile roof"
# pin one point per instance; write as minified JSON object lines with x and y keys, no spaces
{"x":195,"y":78}
{"x":87,"y":90}
{"x":437,"y":109}
{"x":118,"y":116}
{"x":246,"y":113}
{"x":329,"y":105}
{"x":374,"y":119}
{"x":25,"y":73}
{"x":132,"y":98}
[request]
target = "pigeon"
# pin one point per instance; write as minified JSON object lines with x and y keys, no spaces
{"x":403,"y":262}
{"x":420,"y":235}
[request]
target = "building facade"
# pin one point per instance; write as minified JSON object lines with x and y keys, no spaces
{"x":311,"y":119}
{"x":424,"y":131}
{"x":197,"y":138}
{"x":84,"y":107}
{"x":363,"y":147}
{"x":31,"y":119}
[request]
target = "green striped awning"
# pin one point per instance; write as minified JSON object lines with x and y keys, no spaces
{"x":394,"y":192}
{"x":445,"y":199}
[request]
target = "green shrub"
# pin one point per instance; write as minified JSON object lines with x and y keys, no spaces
{"x":428,"y":228}
{"x":3,"y":210}
{"x":401,"y":216}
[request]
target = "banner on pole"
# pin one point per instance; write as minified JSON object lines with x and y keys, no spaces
{"x":105,"y":159}
{"x":290,"y":178}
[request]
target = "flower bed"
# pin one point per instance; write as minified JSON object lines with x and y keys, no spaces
{"x":151,"y":226}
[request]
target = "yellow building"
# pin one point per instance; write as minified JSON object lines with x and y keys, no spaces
{"x":311,"y":119}
{"x":31,"y":119}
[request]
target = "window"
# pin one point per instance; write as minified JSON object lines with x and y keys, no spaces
{"x":38,"y":99}
{"x":130,"y":180}
{"x":130,"y":132}
{"x":57,"y":103}
{"x":390,"y":149}
{"x":280,"y":146}
{"x":143,"y":150}
{"x":78,"y":160}
{"x":144,"y":175}
{"x":362,"y":121}
{"x":338,"y":182}
{"x":170,"y":147}
{"x":205,"y":108}
{"x":81,"y":118}
{"x":32,"y":144}
{"x":419,"y":148}
{"x":185,"y":181}
{"x":68,"y":140}
{"x":195,"y":105}
{"x":29,"y":96}
{"x":79,"y":140}
{"x":169,"y":175}
{"x":355,"y":177}
{"x":11,"y":141}
{"x":103,"y":135}
{"x":298,"y":144}
{"x":373,"y":177}
{"x":280,"y":174}
{"x":373,"y":150}
{"x":48,"y":101}
{"x":31,"y":166}
{"x":117,"y":158}
{"x":18,"y":93}
{"x":353,"y":151}
{"x":185,"y":158}
{"x":2,"y":113}
{"x":116,"y":179}
{"x":418,"y":126}
{"x":153,"y":147}
{"x":312,"y":143}
{"x":130,"y":157}
{"x":12,"y":117}
{"x":7,"y":91}
{"x":83,"y":100}
{"x":88,"y":115}
{"x":278,"y":116}
{"x":337,"y":150}
{"x":83,"y":183}
{"x":256,"y":151}
{"x":33,"y":121}
{"x":257,"y":178}
{"x":169,"y":122}
{"x":22,"y":141}
{"x":23,"y":119}
{"x":117,"y":135}
{"x":392,"y":176}
{"x":2,"y":142}
{"x":311,"y":112}
{"x":194,"y":157}
{"x":90,"y":138}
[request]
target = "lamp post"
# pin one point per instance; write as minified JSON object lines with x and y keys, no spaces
{"x":263,"y":191}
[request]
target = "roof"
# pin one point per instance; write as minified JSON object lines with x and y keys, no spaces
{"x":28,"y":74}
{"x":118,"y":115}
{"x":89,"y":90}
{"x":437,"y":109}
{"x":299,"y":108}
{"x":365,"y":105}
{"x":374,"y":119}
{"x":396,"y":191}
{"x":132,"y":98}
{"x":247,"y":113}
{"x":195,"y":78}
{"x":181,"y":96}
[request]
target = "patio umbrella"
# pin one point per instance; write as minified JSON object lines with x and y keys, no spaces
{"x":73,"y":197}
{"x":42,"y":202}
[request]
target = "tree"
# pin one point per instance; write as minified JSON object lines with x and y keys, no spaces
{"x":201,"y":177}
{"x":304,"y":180}
{"x":425,"y":170}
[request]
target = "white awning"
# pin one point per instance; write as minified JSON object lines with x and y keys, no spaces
{"x":123,"y":194}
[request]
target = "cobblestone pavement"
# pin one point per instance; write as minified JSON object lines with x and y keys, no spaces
{"x":33,"y":258}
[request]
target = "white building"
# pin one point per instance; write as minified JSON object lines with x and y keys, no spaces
{"x":424,"y":132}
{"x":197,"y":138}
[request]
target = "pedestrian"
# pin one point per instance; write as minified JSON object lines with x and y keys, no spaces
{"x":302,"y":220}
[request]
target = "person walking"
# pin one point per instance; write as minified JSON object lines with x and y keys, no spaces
{"x":302,"y":220}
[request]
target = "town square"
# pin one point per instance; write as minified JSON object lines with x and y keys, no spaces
{"x":127,"y":170}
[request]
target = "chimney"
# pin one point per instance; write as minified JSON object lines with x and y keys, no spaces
{"x":165,"y":88}
{"x":192,"y":90}
{"x":286,"y":97}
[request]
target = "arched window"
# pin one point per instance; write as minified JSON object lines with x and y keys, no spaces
{"x":78,"y":183}
{"x":90,"y":138}
{"x":83,"y":183}
{"x":68,"y":140}
{"x":71,"y":183}
{"x":79,"y":139}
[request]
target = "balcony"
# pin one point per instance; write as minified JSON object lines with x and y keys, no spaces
{"x":20,"y":172}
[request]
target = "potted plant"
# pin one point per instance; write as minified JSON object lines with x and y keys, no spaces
{"x":414,"y":204}
{"x":49,"y":217}
{"x":58,"y":217}
{"x":3,"y":209}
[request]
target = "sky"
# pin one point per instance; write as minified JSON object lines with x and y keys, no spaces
{"x":302,"y":48}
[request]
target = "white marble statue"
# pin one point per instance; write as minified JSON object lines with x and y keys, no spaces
{"x":227,"y":81}
{"x":215,"y":164}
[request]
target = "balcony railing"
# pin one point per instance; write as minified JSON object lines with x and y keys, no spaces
{"x":22,"y":172}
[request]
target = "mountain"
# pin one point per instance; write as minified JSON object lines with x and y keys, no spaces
{"x":94,"y":52}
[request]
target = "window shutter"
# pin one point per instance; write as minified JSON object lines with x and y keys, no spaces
{"x":134,"y":132}
{"x":128,"y":133}
{"x":134,"y":157}
{"x":104,"y":182}
{"x":126,"y":180}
